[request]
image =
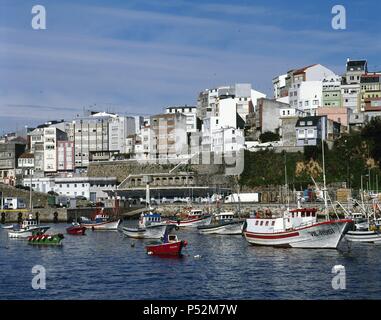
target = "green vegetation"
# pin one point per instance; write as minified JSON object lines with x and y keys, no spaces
{"x":269,"y":136}
{"x":352,"y":156}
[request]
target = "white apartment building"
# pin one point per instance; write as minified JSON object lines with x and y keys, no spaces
{"x":190,"y":112}
{"x":225,"y":140}
{"x":279,"y":87}
{"x":119,"y":129}
{"x":91,"y":138}
{"x":306,"y":86}
{"x":243,"y":94}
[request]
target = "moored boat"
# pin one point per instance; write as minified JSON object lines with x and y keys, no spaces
{"x":29,"y":227}
{"x":149,"y":232}
{"x":297,"y":228}
{"x":170,"y":246}
{"x":193,"y":219}
{"x":100,"y":221}
{"x":150,"y":226}
{"x":367,"y":236}
{"x":46,"y":239}
{"x":225,"y":224}
{"x":76,"y":229}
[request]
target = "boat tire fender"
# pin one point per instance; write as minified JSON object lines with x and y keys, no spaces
{"x":55,"y":219}
{"x":3,"y":218}
{"x":19,"y":218}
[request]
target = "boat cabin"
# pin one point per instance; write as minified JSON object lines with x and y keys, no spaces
{"x":149,"y":218}
{"x":291,"y":219}
{"x":195,"y":213}
{"x":27,"y":223}
{"x":101,"y":218}
{"x":225,"y":216}
{"x":172,"y":238}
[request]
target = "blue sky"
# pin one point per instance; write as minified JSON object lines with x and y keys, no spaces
{"x":136,"y":57}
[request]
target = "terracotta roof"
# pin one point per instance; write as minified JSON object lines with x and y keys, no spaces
{"x":27,"y":155}
{"x":298,"y":71}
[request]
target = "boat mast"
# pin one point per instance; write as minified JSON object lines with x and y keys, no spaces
{"x":30,"y":193}
{"x":285,"y":176}
{"x":324,"y":182}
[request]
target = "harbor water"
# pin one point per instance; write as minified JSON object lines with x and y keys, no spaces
{"x":107,"y":265}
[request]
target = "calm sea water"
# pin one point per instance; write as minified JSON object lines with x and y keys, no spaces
{"x":105,"y":265}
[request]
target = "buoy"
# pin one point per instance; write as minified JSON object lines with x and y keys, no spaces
{"x":150,"y":252}
{"x":133,"y":244}
{"x":197,"y":256}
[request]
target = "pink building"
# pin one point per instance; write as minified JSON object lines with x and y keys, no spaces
{"x":65,"y":155}
{"x":337,"y":114}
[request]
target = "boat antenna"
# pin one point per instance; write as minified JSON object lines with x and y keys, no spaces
{"x":30,"y":193}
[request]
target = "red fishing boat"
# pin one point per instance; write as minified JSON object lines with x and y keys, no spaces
{"x":76,"y":229}
{"x":170,"y":246}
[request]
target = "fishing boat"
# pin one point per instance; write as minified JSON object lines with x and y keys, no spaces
{"x":76,"y":229}
{"x":369,"y":231}
{"x":193,"y":219}
{"x":150,"y":227}
{"x":46,"y":239}
{"x":298,"y":228}
{"x":225,"y":224}
{"x":29,"y":227}
{"x":169,"y":246}
{"x":100,"y":221}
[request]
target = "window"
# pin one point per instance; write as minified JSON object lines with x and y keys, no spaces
{"x":273,"y":223}
{"x":261,"y":223}
{"x":267,"y":223}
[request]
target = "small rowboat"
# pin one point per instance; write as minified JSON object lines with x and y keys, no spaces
{"x":46,"y":239}
{"x":170,"y":246}
{"x":76,"y":230}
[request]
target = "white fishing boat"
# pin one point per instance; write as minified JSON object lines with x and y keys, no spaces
{"x":100,"y":221}
{"x":28,"y":228}
{"x":298,"y":228}
{"x":366,"y":236}
{"x":150,"y":227}
{"x":193,"y":219}
{"x":368,"y":230}
{"x":225,"y":224}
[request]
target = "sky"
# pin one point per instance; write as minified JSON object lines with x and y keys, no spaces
{"x":137,"y":57}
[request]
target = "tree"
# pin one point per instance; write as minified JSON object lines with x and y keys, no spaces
{"x":372,"y":134}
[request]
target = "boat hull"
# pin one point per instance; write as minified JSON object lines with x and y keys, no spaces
{"x":231,"y":228}
{"x":324,"y":235}
{"x":108,"y":225}
{"x":192,"y":223}
{"x":363,"y":236}
{"x":166,"y":249}
{"x":46,"y":240}
{"x":24,"y":234}
{"x":76,"y":231}
{"x":150,"y":232}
